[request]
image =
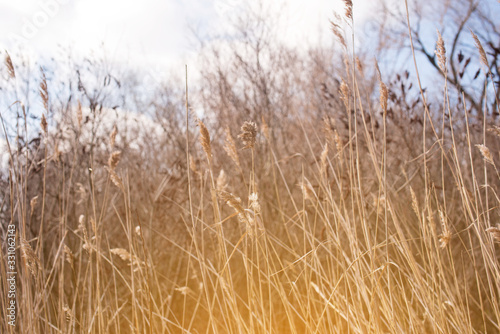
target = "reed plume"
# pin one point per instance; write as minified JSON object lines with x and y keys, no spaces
{"x":348,"y":9}
{"x":494,"y":232}
{"x":485,"y":152}
{"x":230,"y":148}
{"x":482,"y":54}
{"x":114,"y":159}
{"x":10,"y":66}
{"x":30,"y":258}
{"x":445,"y":237}
{"x":205,"y":140}
{"x":231,"y":200}
{"x":112,"y":137}
{"x":441,"y":53}
{"x":248,"y":134}
{"x":344,"y":94}
{"x":44,"y":91}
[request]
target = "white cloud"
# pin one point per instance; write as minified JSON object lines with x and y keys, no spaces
{"x":148,"y":31}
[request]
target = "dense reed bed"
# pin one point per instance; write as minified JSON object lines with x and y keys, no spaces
{"x":308,"y":197}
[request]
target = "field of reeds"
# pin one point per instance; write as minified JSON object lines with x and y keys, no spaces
{"x":313,"y":194}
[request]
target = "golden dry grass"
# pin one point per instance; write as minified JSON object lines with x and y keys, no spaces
{"x":364,"y":223}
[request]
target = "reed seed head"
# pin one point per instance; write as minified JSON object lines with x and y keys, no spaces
{"x":127,"y":257}
{"x":114,"y":159}
{"x":86,"y":240}
{"x":205,"y":140}
{"x":112,"y":137}
{"x":231,"y":200}
{"x":344,"y":94}
{"x":230,"y":148}
{"x":414,"y":202}
{"x":10,"y":66}
{"x":338,"y":142}
{"x":70,"y":257}
{"x":248,"y":134}
{"x":384,"y":95}
{"x":485,"y":152}
{"x":79,"y":114}
{"x":494,"y":232}
{"x":44,"y":91}
{"x":445,"y":237}
{"x":337,"y":31}
{"x":482,"y":54}
{"x":33,"y":203}
{"x":222,"y":181}
{"x":184,"y":290}
{"x":43,"y":124}
{"x":307,"y":190}
{"x":116,"y":179}
{"x":31,"y":259}
{"x":359,"y":66}
{"x":254,"y":203}
{"x":495,"y":130}
{"x":348,"y":9}
{"x":384,"y":92}
{"x":122,"y":253}
{"x":265,"y":129}
{"x":328,"y":127}
{"x":192,"y":164}
{"x":441,"y":52}
{"x":324,"y":160}
{"x":69,"y":313}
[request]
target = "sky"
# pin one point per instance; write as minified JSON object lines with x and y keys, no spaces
{"x":152,"y":32}
{"x":159,"y":35}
